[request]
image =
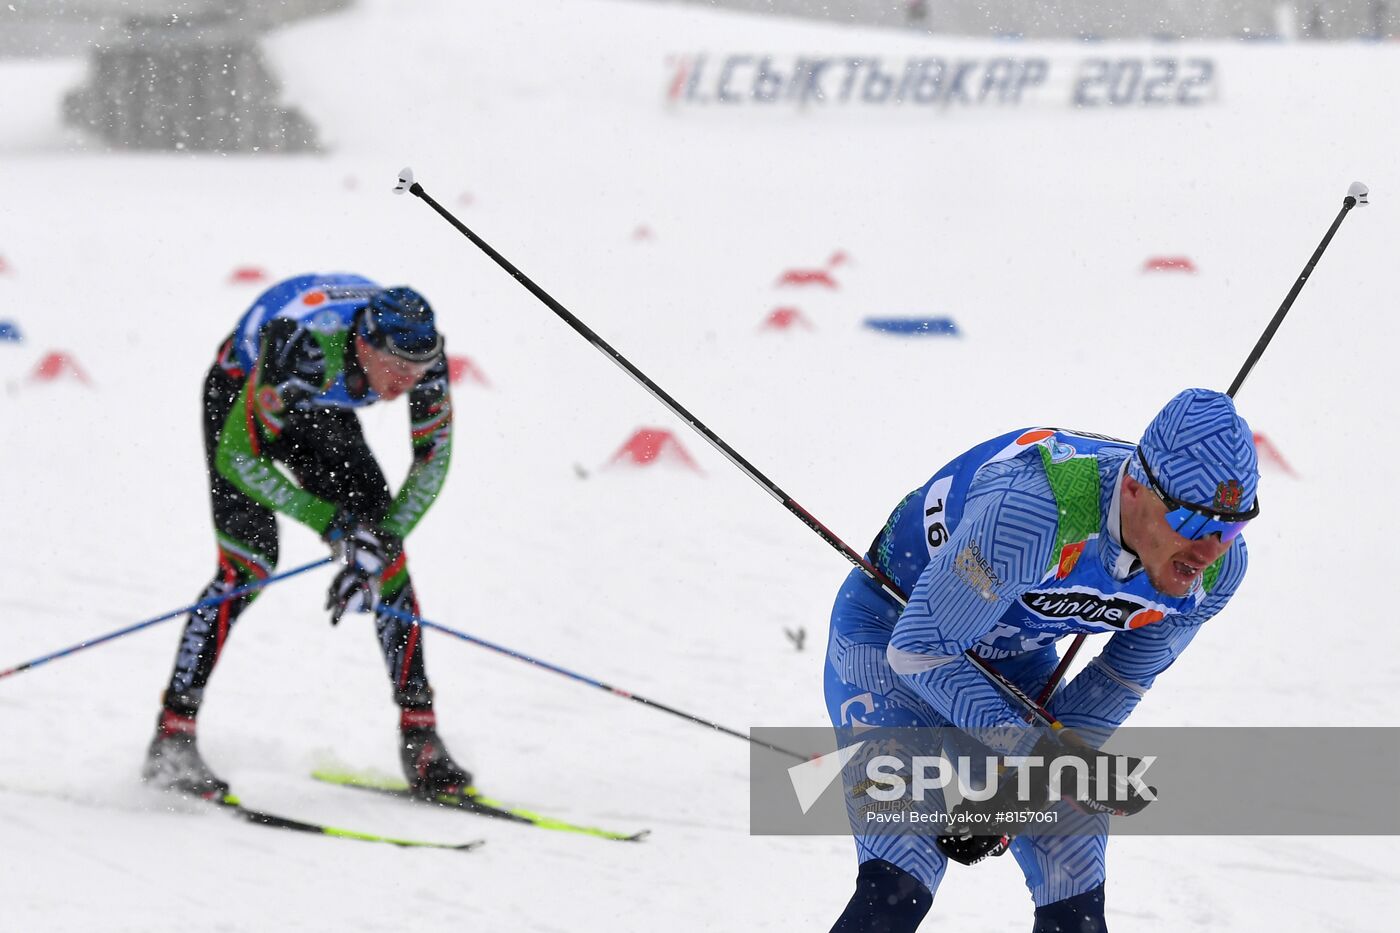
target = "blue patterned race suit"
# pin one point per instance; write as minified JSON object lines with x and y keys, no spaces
{"x":1008,"y":548}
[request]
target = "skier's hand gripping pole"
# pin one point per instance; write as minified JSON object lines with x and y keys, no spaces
{"x":359,"y":550}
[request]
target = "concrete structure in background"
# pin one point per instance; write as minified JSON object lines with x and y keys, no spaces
{"x":1101,"y":19}
{"x":169,"y":74}
{"x":189,"y":74}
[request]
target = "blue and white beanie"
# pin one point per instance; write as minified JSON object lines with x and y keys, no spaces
{"x":1201,"y":451}
{"x":401,"y":321}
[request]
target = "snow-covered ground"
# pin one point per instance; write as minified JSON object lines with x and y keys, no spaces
{"x":1028,"y":226}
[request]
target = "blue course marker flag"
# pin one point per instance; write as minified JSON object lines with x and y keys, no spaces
{"x":914,"y":326}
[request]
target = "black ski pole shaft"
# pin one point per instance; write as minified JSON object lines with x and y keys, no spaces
{"x":1356,"y":194}
{"x":584,"y":679}
{"x":406,"y":183}
{"x":1053,"y":680}
{"x":644,"y":381}
{"x":127,"y":630}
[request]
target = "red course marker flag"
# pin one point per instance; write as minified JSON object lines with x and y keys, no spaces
{"x":648,"y":446}
{"x":808,"y":277}
{"x":1168,"y":264}
{"x":246,"y":275}
{"x":785,"y":319}
{"x":461,"y":367}
{"x":1269,"y":453}
{"x":55,"y":366}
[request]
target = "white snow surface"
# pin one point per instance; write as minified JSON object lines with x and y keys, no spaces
{"x":1028,"y":226}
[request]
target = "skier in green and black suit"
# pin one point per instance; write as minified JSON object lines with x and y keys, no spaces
{"x":282,"y":394}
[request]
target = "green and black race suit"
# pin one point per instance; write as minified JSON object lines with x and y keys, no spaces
{"x":281,"y":435}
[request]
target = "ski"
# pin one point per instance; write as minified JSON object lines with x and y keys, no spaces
{"x":472,"y":801}
{"x":233,"y":805}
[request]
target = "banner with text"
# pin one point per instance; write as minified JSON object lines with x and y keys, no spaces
{"x":807,"y":81}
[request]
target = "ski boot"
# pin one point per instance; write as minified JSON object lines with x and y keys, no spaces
{"x":173,"y":762}
{"x":427,"y":766}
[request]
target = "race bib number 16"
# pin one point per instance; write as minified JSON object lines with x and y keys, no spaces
{"x":936,"y":531}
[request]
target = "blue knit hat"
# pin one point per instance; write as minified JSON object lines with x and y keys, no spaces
{"x":400,"y":321}
{"x":1201,"y":452}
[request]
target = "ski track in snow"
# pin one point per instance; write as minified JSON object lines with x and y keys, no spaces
{"x":1027,"y":226}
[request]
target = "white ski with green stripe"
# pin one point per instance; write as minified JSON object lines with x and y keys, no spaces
{"x":471,"y":801}
{"x":262,"y":818}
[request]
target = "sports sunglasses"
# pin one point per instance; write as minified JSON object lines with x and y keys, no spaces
{"x":1193,"y":522}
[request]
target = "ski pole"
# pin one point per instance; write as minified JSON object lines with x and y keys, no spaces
{"x":203,"y":603}
{"x":1356,"y":195}
{"x":583,"y":679}
{"x":1013,"y":692}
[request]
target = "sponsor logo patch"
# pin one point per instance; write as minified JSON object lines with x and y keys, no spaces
{"x":1117,"y":612}
{"x":1059,"y":452}
{"x":974,"y":570}
{"x":343,"y":292}
{"x":1145,"y":617}
{"x":1034,"y":437}
{"x":324,"y":322}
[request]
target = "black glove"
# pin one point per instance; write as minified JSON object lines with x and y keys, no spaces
{"x":968,"y":849}
{"x":345,"y":522}
{"x":1114,"y":790}
{"x":360,"y":552}
{"x":983,"y":829}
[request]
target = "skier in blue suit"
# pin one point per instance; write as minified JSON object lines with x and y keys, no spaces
{"x":1026,"y":538}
